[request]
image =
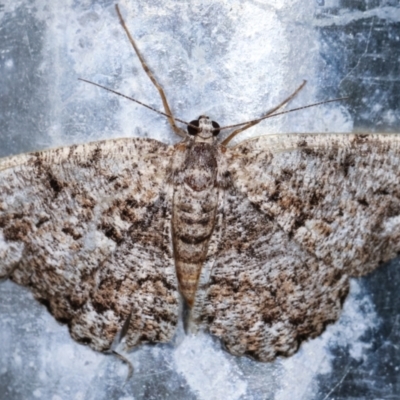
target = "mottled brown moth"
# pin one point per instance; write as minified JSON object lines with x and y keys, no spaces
{"x":259,"y":240}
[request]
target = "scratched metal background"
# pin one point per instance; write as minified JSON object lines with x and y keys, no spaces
{"x":232,"y":60}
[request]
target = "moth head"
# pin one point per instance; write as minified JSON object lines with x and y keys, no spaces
{"x":203,"y":128}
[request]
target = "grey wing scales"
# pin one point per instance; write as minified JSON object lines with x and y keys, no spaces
{"x":337,"y":195}
{"x":304,"y":213}
{"x":265,"y":294}
{"x":87,"y":229}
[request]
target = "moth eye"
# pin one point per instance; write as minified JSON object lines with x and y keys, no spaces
{"x":191,"y":130}
{"x":215,"y":126}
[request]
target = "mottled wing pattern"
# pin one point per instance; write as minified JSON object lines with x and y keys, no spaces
{"x":304,"y":213}
{"x":87,"y":229}
{"x":265,"y":294}
{"x":337,"y":195}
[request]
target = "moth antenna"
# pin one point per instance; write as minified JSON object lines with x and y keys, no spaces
{"x":126,"y":361}
{"x":256,"y":121}
{"x":137,"y":101}
{"x":252,"y":123}
{"x":167,"y":109}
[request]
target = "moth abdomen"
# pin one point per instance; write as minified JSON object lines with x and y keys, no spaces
{"x":194,"y":228}
{"x":193,"y":219}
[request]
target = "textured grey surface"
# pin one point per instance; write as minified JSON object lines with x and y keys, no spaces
{"x":231,"y":60}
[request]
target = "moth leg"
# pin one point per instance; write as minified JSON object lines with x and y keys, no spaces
{"x":126,"y":361}
{"x":250,"y":124}
{"x":167,"y":109}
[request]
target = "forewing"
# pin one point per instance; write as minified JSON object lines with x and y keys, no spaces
{"x":87,"y":229}
{"x":337,"y":195}
{"x":302,"y":214}
{"x":265,"y":294}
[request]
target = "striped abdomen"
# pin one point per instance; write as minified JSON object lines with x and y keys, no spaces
{"x":193,"y":218}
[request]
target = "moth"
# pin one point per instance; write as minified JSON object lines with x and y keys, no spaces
{"x":257,"y":241}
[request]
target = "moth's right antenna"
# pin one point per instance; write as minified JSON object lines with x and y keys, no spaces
{"x":255,"y":122}
{"x":167,"y":109}
{"x":272,"y":113}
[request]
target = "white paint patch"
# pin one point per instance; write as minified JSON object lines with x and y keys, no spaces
{"x":384,"y":13}
{"x":208,"y":371}
{"x":315,"y":357}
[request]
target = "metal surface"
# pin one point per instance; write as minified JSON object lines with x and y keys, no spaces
{"x":231,"y":60}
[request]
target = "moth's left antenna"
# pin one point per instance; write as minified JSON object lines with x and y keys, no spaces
{"x":167,"y":109}
{"x":168,"y":113}
{"x":136,"y":101}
